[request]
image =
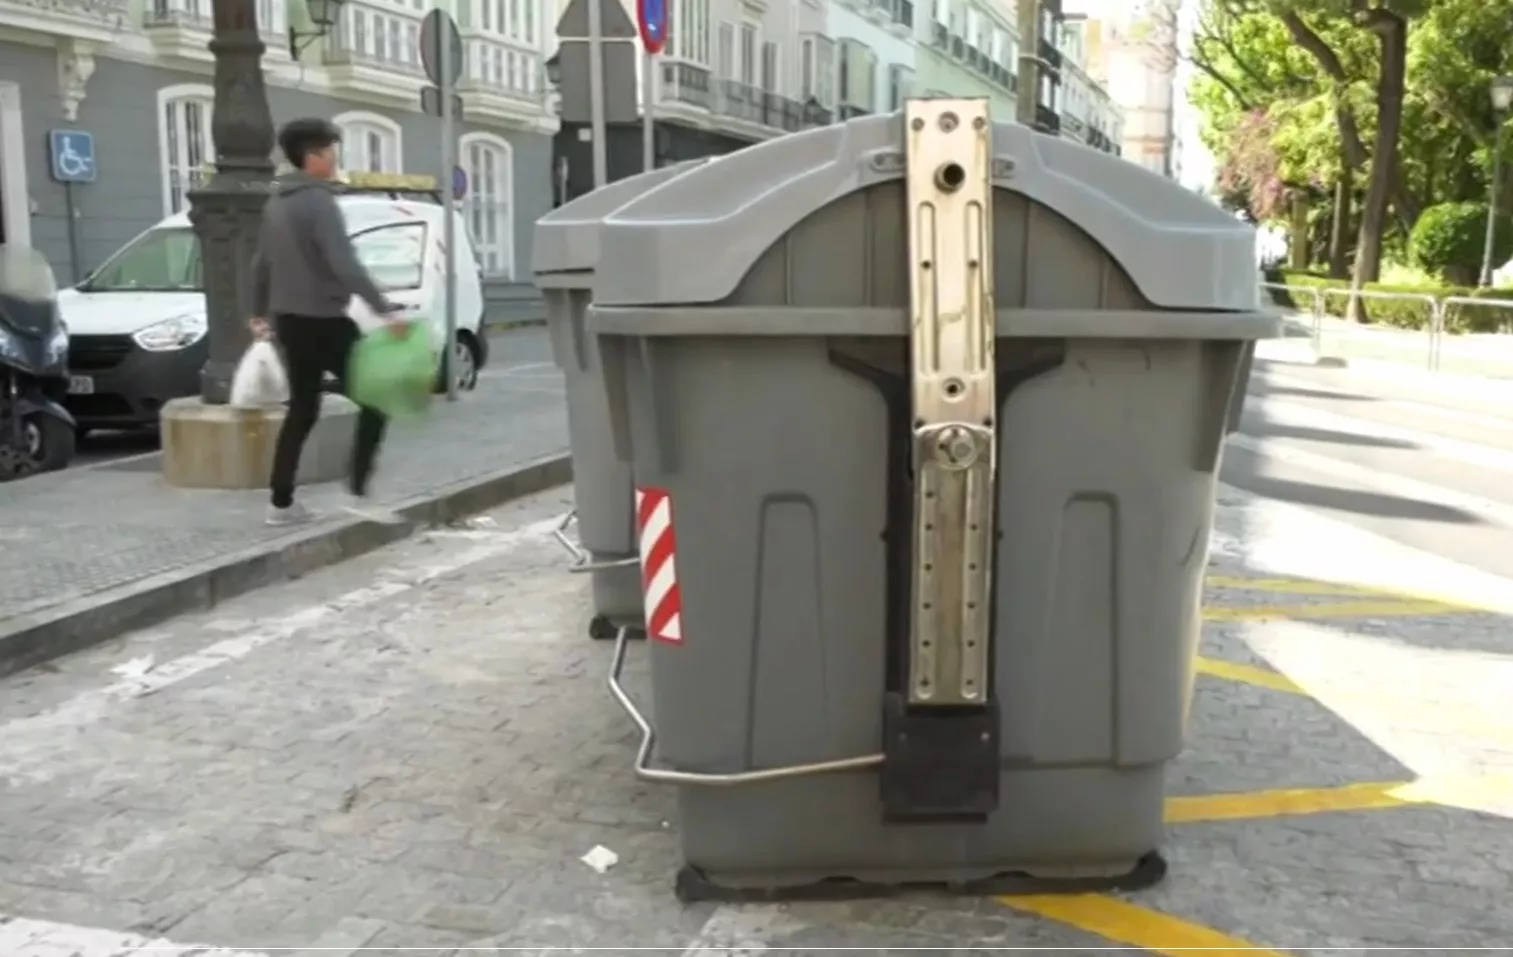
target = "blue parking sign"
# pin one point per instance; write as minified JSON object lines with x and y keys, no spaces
{"x":73,"y":155}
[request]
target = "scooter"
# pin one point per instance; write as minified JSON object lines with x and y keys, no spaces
{"x":36,"y":433}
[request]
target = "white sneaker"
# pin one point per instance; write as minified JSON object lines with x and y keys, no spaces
{"x":368,"y":512}
{"x":294,"y":514}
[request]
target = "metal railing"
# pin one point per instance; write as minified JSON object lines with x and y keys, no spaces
{"x":1437,"y":345}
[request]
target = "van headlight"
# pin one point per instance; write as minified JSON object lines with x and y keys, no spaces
{"x":176,"y":333}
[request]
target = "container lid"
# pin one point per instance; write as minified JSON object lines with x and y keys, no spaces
{"x":692,"y":241}
{"x":567,"y":238}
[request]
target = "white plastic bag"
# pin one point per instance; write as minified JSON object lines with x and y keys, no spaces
{"x":260,"y":380}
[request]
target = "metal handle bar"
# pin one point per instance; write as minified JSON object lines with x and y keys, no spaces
{"x":648,"y":738}
{"x":582,"y":560}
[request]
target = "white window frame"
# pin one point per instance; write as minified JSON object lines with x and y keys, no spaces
{"x":688,"y":33}
{"x":355,"y":122}
{"x":14,"y":191}
{"x":167,"y":163}
{"x":504,"y":249}
{"x":749,"y":70}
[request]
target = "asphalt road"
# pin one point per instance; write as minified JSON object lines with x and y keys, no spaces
{"x":514,"y":351}
{"x":1395,"y":456}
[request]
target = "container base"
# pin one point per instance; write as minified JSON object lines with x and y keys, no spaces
{"x":601,"y":628}
{"x":693,"y":885}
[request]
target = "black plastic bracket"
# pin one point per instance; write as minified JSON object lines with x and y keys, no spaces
{"x":939,"y":764}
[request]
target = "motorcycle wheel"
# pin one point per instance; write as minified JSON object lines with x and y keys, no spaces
{"x":50,"y":443}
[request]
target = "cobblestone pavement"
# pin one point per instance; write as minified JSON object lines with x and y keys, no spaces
{"x":414,"y":749}
{"x":71,"y":534}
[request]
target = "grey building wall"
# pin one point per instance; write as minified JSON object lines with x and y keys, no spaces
{"x":121,"y":111}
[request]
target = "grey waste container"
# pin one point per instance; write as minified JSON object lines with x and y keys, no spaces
{"x":566,"y":253}
{"x":754,"y":318}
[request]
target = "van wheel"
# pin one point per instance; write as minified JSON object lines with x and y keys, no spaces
{"x":465,"y":362}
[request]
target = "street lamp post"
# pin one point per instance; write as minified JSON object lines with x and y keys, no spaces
{"x":227,"y":210}
{"x":1502,"y":100}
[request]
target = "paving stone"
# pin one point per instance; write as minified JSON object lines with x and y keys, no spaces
{"x":74,"y":533}
{"x":436,"y":763}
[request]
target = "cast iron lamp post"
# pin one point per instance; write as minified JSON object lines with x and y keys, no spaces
{"x":227,"y":210}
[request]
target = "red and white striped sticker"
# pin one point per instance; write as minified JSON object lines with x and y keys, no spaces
{"x":659,"y":571}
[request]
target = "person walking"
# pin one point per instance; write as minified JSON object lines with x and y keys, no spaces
{"x":305,"y":272}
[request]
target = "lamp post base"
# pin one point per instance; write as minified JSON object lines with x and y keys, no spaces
{"x":216,"y":446}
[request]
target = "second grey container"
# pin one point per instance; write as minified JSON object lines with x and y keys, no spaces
{"x":566,"y":255}
{"x":753,"y":318}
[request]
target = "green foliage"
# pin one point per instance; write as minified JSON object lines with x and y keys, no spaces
{"x":1448,"y":240}
{"x":1405,"y":313}
{"x":1248,"y":61}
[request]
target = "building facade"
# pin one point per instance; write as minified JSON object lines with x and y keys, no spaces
{"x":739,"y":71}
{"x":136,"y":74}
{"x":972,"y":48}
{"x":1131,"y":48}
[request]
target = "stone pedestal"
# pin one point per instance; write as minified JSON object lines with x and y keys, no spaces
{"x":216,"y":446}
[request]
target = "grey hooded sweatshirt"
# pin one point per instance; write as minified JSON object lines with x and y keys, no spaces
{"x":305,"y":264}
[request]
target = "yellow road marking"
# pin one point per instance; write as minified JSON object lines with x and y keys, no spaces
{"x":1295,"y":586}
{"x":1131,"y":925}
{"x":1371,"y":796}
{"x":1248,"y":674}
{"x":1345,"y":609}
{"x":1289,"y":802}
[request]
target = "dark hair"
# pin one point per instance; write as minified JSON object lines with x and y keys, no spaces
{"x":299,"y":138}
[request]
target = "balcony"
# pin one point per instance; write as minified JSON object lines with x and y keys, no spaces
{"x":898,"y":15}
{"x":849,"y":111}
{"x":750,"y":104}
{"x":691,"y":86}
{"x":500,"y":80}
{"x":375,"y":48}
{"x":182,"y":28}
{"x":90,"y":21}
{"x":687,"y":84}
{"x":1047,"y":120}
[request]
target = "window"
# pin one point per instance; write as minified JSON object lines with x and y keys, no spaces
{"x":770,"y":67}
{"x":184,"y":145}
{"x":749,"y":47}
{"x":824,"y":71}
{"x":690,"y":23}
{"x":900,"y":86}
{"x":159,"y":260}
{"x":489,"y":163}
{"x":727,"y":65}
{"x":806,"y":68}
{"x":369,"y":142}
{"x":394,"y":255}
{"x":378,"y":35}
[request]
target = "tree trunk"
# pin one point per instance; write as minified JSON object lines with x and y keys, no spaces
{"x":1392,"y":33}
{"x":1298,"y":247}
{"x":1339,"y":228}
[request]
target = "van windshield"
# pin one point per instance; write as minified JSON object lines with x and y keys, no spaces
{"x":159,"y":260}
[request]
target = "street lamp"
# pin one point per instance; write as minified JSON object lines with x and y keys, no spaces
{"x":323,"y":14}
{"x":554,"y":70}
{"x":227,"y":210}
{"x":1502,"y":101}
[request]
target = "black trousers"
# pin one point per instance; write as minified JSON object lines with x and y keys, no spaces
{"x":313,"y":346}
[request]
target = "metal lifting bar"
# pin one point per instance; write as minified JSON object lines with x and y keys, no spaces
{"x":582,"y":560}
{"x":949,"y":194}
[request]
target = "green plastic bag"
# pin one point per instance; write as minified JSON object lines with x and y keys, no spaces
{"x":391,"y":374}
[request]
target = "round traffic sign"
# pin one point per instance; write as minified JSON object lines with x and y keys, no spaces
{"x":459,"y":182}
{"x":651,"y":17}
{"x":436,"y":29}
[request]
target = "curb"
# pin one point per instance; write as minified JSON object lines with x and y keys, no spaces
{"x":32,"y":638}
{"x":504,"y":325}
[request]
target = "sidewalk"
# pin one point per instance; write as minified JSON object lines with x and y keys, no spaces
{"x":88,"y":553}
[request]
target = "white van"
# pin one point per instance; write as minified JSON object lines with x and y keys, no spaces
{"x":137,"y":325}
